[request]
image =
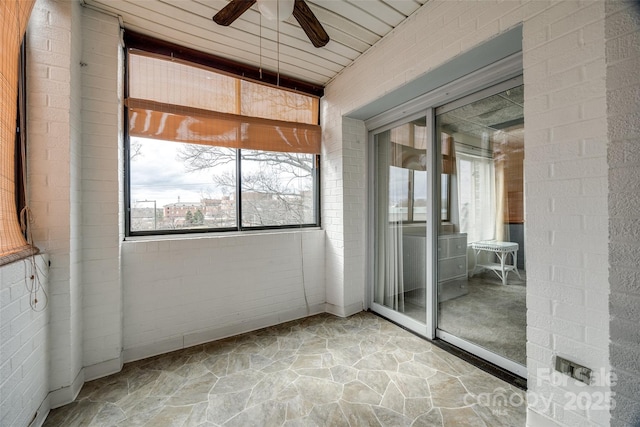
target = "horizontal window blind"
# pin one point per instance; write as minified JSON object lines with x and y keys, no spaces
{"x":175,"y":101}
{"x":169,"y":122}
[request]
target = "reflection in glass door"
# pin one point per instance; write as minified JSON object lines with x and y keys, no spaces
{"x":481,"y":274}
{"x":400,"y":215}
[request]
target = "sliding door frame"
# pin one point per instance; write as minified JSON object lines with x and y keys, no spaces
{"x":491,"y":79}
{"x":425,"y":329}
{"x":469,"y":346}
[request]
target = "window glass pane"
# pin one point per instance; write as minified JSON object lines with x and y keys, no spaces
{"x":398,"y":194}
{"x":277,"y":188}
{"x":181,"y":186}
{"x":273,"y":103}
{"x":419,"y":195}
{"x":399,"y":202}
{"x":481,"y":270}
{"x":175,"y":83}
{"x":444,"y":197}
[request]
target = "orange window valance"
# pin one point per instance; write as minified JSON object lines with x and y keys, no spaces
{"x":174,"y":101}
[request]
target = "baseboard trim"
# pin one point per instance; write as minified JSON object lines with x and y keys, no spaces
{"x":344,"y":311}
{"x":149,"y":350}
{"x":200,"y":337}
{"x":251,"y":325}
{"x":68,"y":394}
{"x":42,"y":413}
{"x":102,"y":369}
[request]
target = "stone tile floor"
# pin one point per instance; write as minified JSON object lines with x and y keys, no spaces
{"x":322,"y":370}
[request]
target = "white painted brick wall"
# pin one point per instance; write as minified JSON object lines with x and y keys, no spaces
{"x":566,"y":198}
{"x":622,"y":29}
{"x":76,"y":286}
{"x":185,"y":291}
{"x":332,"y":207}
{"x":566,"y":165}
{"x":101,"y":123}
{"x":24,"y":338}
{"x":354,"y":207}
{"x":53,"y":70}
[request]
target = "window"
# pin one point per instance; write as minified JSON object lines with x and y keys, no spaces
{"x":406,"y":147}
{"x":211,"y":152}
{"x":477,"y":199}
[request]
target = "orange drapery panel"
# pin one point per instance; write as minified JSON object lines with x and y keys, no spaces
{"x":14,"y":15}
{"x":149,"y":119}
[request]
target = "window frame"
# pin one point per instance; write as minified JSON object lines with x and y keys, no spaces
{"x":21,"y":130}
{"x":157,"y":47}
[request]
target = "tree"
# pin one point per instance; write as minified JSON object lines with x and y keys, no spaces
{"x":135,"y":148}
{"x":188,"y":218}
{"x":276,"y":186}
{"x":198,"y":157}
{"x":198,"y":217}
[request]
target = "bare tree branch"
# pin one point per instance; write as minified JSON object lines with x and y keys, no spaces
{"x":135,"y":149}
{"x":198,"y":157}
{"x":271,"y":181}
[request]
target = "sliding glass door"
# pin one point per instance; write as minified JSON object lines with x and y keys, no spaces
{"x":481,"y":275}
{"x":447,"y":256}
{"x":400,"y":216}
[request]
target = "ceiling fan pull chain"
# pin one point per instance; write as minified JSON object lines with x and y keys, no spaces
{"x":278,"y":43}
{"x":260,"y":45}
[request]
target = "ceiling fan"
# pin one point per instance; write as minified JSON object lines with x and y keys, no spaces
{"x":301,"y":12}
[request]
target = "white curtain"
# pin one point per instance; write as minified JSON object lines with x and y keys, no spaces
{"x":477,"y":197}
{"x":389,"y":288}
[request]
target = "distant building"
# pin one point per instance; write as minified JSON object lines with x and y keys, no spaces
{"x":178,"y":211}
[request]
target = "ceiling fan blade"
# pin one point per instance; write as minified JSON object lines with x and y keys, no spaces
{"x":310,"y":24}
{"x":232,"y":11}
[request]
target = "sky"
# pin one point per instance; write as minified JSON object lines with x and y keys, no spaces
{"x":158,"y":175}
{"x":398,"y":185}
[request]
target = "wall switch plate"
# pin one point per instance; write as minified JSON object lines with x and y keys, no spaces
{"x":572,"y":369}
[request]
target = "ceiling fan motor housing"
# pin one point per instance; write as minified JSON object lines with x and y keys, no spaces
{"x":283,"y":9}
{"x":276,"y":9}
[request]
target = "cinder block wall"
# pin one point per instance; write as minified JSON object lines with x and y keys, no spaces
{"x":566,"y":209}
{"x":101,"y":173}
{"x":54,"y":158}
{"x":183,"y":292}
{"x":344,"y":212}
{"x":24,"y":353}
{"x":622,"y":31}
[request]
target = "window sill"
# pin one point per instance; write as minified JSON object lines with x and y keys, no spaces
{"x":218,"y":235}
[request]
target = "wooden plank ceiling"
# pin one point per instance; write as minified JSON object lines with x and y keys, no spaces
{"x":353,"y":26}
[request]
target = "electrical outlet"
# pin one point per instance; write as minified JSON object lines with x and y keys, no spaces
{"x":572,"y":369}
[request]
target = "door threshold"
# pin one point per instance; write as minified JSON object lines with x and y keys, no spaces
{"x":490,"y":368}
